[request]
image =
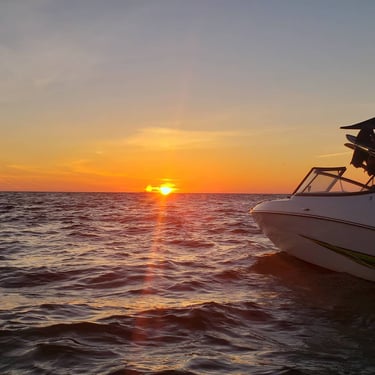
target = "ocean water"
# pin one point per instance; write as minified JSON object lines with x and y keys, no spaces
{"x":185,"y":284}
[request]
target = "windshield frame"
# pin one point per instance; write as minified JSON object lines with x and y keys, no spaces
{"x":335,"y":178}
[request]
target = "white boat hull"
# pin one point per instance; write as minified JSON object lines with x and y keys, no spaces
{"x":334,"y":239}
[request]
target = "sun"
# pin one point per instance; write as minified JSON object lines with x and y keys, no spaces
{"x":165,"y":189}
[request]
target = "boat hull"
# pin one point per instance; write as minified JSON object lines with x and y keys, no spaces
{"x":337,"y":244}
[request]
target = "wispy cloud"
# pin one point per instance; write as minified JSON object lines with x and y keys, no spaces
{"x":161,"y":138}
{"x":334,"y":154}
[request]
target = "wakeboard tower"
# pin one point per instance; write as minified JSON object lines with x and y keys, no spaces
{"x":363,"y":145}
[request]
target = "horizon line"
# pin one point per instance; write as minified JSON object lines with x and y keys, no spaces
{"x":132,"y":192}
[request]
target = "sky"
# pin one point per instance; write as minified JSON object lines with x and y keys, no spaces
{"x":224,"y":96}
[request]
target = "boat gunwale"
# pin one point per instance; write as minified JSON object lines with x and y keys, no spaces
{"x":336,"y":194}
{"x":316,"y":217}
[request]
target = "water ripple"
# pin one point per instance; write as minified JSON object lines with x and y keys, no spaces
{"x":112,"y":284}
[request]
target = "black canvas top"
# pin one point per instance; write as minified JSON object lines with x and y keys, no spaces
{"x":367,"y":124}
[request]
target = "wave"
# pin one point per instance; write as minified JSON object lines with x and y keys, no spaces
{"x":190,"y":243}
{"x":149,"y":327}
{"x":14,"y":277}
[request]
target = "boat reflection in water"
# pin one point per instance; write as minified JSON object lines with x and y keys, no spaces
{"x":329,"y":220}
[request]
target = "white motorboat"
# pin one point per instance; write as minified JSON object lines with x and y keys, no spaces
{"x":329,"y":220}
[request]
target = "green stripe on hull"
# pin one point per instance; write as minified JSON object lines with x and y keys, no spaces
{"x":360,"y":258}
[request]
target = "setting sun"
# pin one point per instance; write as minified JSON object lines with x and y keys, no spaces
{"x":164,"y":189}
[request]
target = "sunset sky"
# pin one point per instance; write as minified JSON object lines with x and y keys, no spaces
{"x":210,"y":95}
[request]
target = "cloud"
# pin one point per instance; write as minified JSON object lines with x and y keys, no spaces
{"x":334,"y":154}
{"x":160,"y":138}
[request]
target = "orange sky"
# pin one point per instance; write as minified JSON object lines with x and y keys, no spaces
{"x":238,"y":97}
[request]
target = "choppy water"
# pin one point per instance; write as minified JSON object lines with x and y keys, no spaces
{"x":140,"y":284}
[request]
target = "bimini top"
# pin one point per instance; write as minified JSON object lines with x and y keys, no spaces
{"x":367,"y":124}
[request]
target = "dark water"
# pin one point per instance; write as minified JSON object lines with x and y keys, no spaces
{"x":140,"y":284}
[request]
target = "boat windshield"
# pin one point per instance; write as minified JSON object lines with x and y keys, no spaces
{"x":329,"y":181}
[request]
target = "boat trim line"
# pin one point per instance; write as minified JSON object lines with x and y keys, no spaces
{"x":356,"y":256}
